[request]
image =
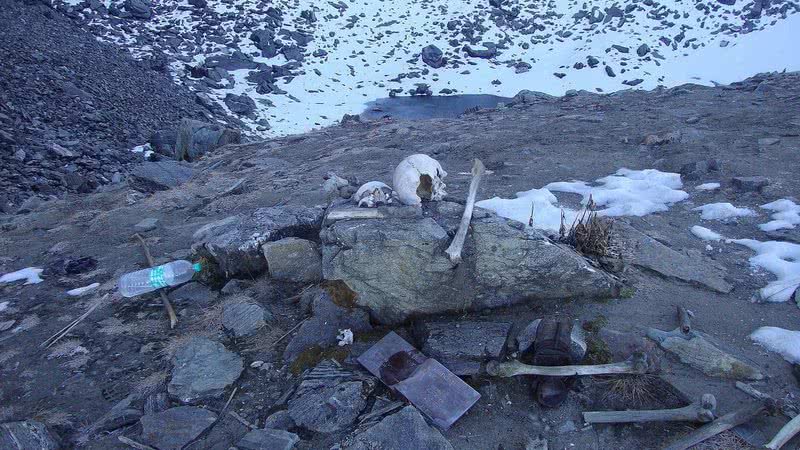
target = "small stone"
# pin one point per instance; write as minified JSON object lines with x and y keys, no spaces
{"x":203,"y":369}
{"x":174,"y":428}
{"x":566,"y":427}
{"x":243,"y":318}
{"x":403,"y":429}
{"x":26,"y":435}
{"x":293,"y":259}
{"x":766,"y":142}
{"x":268,"y":439}
{"x":750,"y":184}
{"x":233,"y":287}
{"x":328,"y":408}
{"x":643,"y":50}
{"x":256,"y":364}
{"x":146,"y":225}
{"x":280,"y":420}
{"x":193,"y":293}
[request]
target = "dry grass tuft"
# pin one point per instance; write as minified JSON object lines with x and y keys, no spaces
{"x":727,"y":440}
{"x":54,"y":417}
{"x":634,"y":391}
{"x":589,"y":234}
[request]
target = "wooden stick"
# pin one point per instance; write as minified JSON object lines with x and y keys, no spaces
{"x":638,"y":363}
{"x":454,"y":251}
{"x":684,"y":320}
{"x":785,"y":434}
{"x":699,"y":411}
{"x":716,"y":427}
{"x":173,"y":319}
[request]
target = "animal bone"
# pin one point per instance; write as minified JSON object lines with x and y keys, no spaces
{"x":785,"y":434}
{"x":454,"y":251}
{"x":699,"y":411}
{"x":373,"y":194}
{"x":722,"y":424}
{"x":419,"y":177}
{"x":638,"y":363}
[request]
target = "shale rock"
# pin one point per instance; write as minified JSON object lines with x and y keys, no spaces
{"x":463,"y":347}
{"x":196,"y":138}
{"x":234,"y":243}
{"x":404,"y":429}
{"x":26,"y":435}
{"x":203,"y":369}
{"x":293,"y":259}
{"x":268,"y":439}
{"x":159,"y":175}
{"x":243,"y":318}
{"x":175,"y":427}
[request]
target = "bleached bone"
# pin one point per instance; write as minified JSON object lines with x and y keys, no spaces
{"x":724,"y":423}
{"x":373,"y":194}
{"x":454,"y":251}
{"x":419,"y":177}
{"x":699,"y":411}
{"x":638,"y":363}
{"x":785,"y":434}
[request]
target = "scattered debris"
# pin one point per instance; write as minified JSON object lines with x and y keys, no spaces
{"x":423,"y":381}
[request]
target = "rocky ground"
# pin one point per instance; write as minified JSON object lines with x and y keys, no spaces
{"x":72,"y":108}
{"x":291,"y":65}
{"x":237,"y":368}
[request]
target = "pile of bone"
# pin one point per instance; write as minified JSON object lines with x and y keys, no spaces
{"x":417,"y":178}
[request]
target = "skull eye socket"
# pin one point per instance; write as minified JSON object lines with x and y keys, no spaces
{"x":425,"y":187}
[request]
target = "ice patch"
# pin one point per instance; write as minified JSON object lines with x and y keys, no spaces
{"x":546,"y":215}
{"x":783,"y":342}
{"x":723,"y":211}
{"x":705,"y":234}
{"x":787,"y":215}
{"x":145,"y":149}
{"x":83,"y":290}
{"x":29,"y":274}
{"x":707,"y":186}
{"x":782,"y":259}
{"x":629,"y":192}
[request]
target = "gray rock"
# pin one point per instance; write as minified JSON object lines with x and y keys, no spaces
{"x":193,"y":293}
{"x":146,"y":225}
{"x":463,"y":346}
{"x":197,"y":138}
{"x":649,"y":254}
{"x":268,"y":439}
{"x":202,"y":369}
{"x":151,"y":176}
{"x":527,"y":96}
{"x":174,"y":428}
{"x":240,"y":104}
{"x":566,"y":427}
{"x":280,"y":420}
{"x":432,"y":56}
{"x":139,"y":9}
{"x":750,"y":184}
{"x":293,"y":259}
{"x":234,"y":287}
{"x":27,"y":435}
{"x":321,"y":328}
{"x":330,"y":407}
{"x":403,"y":429}
{"x":156,"y":403}
{"x":643,"y":50}
{"x":243,"y":318}
{"x":234,"y":243}
{"x":399,"y":269}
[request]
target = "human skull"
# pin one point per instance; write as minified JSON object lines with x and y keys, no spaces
{"x":373,"y":194}
{"x":419,"y":177}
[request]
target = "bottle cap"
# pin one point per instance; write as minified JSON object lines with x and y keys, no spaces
{"x":197,"y":267}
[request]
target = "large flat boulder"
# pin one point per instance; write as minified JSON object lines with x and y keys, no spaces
{"x":151,"y":176}
{"x":196,"y":138}
{"x":399,"y":269}
{"x":235,"y":242}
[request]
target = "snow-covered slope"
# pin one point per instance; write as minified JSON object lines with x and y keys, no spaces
{"x":306,"y":63}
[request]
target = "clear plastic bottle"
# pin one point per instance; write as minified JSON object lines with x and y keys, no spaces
{"x":148,"y":280}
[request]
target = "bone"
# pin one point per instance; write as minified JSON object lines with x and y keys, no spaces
{"x":684,"y":319}
{"x":785,"y":434}
{"x":454,"y":251}
{"x":700,"y":411}
{"x":722,"y":424}
{"x":638,"y":363}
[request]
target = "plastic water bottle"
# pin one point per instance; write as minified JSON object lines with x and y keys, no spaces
{"x":148,"y":280}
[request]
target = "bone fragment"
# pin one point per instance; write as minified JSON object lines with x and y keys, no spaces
{"x":638,"y":363}
{"x":454,"y":251}
{"x":699,"y":411}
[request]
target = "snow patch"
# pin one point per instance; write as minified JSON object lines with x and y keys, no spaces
{"x":782,"y":259}
{"x":77,"y":292}
{"x":708,"y":186}
{"x":783,"y":342}
{"x":787,"y":215}
{"x":29,"y":274}
{"x":705,"y":234}
{"x":145,"y":149}
{"x":723,"y":211}
{"x":546,"y":215}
